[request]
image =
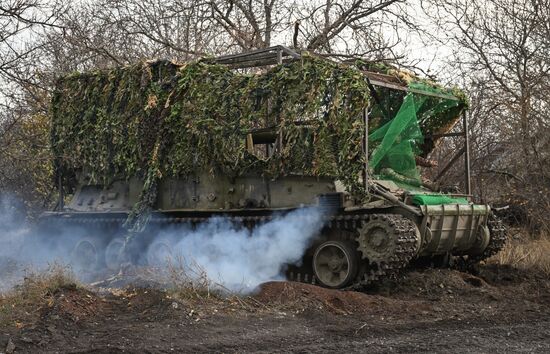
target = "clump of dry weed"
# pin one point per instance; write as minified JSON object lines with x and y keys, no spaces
{"x":191,"y":283}
{"x":524,"y":252}
{"x":23,"y":303}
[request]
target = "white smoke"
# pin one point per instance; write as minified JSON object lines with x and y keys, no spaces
{"x":241,"y":259}
{"x":12,"y":231}
{"x":12,"y":226}
{"x":30,"y":247}
{"x":230,"y":254}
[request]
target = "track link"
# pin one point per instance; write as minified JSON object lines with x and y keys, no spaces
{"x":406,"y":238}
{"x":498,"y":238}
{"x":406,"y":247}
{"x":347,"y":225}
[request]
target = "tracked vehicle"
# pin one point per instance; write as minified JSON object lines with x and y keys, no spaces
{"x":135,"y":164}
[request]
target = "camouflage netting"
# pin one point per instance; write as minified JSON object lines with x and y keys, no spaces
{"x":398,"y":140}
{"x":159,"y":119}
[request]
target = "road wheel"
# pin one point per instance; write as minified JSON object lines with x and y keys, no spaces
{"x":159,"y":253}
{"x":113,"y":253}
{"x":85,"y":255}
{"x":335,"y":264}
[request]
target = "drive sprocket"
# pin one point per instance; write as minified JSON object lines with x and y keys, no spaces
{"x":385,"y":238}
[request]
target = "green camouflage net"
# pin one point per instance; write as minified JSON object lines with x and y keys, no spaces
{"x":396,"y":144}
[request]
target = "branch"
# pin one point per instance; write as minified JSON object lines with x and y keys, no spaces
{"x":350,"y":15}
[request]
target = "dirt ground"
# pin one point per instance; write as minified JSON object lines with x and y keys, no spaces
{"x":498,"y":310}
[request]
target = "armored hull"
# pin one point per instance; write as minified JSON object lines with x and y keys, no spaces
{"x":357,"y":244}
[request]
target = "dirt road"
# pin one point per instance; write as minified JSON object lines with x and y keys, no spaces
{"x":500,"y":310}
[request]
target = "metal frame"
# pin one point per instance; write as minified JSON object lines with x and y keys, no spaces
{"x":260,"y":57}
{"x":366,"y":142}
{"x":465,"y":150}
{"x":280,"y":54}
{"x":376,"y":82}
{"x":467,"y":181}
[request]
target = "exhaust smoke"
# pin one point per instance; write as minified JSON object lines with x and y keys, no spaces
{"x":230,"y":255}
{"x":241,"y":259}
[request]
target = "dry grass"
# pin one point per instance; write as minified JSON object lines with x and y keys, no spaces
{"x":23,"y":304}
{"x":190,"y":283}
{"x":523,"y":252}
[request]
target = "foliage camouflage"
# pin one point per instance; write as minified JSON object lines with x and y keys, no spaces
{"x":160,"y":119}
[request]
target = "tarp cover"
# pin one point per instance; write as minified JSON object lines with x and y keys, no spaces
{"x":437,"y":199}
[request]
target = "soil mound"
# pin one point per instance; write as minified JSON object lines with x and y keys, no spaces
{"x":304,"y":296}
{"x":430,"y":310}
{"x":73,"y":304}
{"x":437,"y":282}
{"x":497,"y":274}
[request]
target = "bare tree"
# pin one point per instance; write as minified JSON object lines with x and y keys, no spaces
{"x":249,"y":23}
{"x":21,"y":23}
{"x":115,"y":32}
{"x":23,"y":124}
{"x":502,"y":49}
{"x":339,"y":16}
{"x":342,"y":27}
